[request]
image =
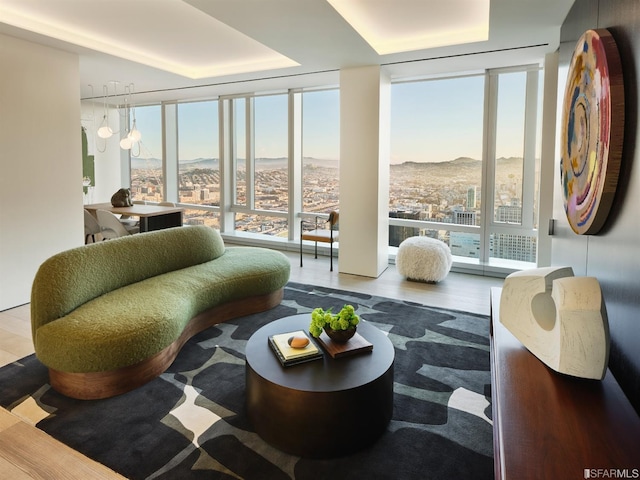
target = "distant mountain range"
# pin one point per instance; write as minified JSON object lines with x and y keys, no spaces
{"x":261,"y":163}
{"x":459,"y":162}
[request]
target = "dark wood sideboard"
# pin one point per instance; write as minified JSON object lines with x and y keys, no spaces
{"x":551,"y":426}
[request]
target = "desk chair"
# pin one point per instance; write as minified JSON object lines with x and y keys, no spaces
{"x":92,"y":231}
{"x":324,"y":235}
{"x":126,"y":219}
{"x":112,"y":227}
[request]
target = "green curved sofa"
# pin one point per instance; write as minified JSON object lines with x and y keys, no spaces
{"x":110,"y":316}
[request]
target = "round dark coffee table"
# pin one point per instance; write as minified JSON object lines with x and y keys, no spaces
{"x":324,"y":408}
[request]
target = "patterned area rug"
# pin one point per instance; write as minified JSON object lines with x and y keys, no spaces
{"x":190,"y":423}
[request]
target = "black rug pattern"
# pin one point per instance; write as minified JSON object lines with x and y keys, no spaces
{"x":191,"y":423}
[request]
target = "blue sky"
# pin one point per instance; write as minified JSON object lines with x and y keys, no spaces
{"x":430,"y":122}
{"x":437,"y":121}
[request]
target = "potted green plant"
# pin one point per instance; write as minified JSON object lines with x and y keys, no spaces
{"x":339,"y":327}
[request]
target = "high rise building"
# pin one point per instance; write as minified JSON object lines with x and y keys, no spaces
{"x":464,"y":244}
{"x":472,"y":198}
{"x":509,"y":213}
{"x":463,"y":218}
{"x":513,"y":247}
{"x":397,"y":233}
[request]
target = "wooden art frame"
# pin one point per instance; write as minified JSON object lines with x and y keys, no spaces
{"x":592,"y":131}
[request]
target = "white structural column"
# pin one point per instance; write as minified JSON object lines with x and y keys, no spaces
{"x":364,"y":170}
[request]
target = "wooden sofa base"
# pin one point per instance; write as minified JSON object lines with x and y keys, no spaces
{"x":97,"y":385}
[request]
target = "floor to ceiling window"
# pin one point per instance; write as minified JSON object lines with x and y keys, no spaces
{"x":270,"y":166}
{"x":147,"y":181}
{"x":512,"y":166}
{"x":464,"y":162}
{"x":256,"y":149}
{"x":436,"y":162}
{"x":320,"y":150}
{"x":271,"y":140}
{"x":198,"y":162}
{"x":463,"y":166}
{"x":246,"y":174}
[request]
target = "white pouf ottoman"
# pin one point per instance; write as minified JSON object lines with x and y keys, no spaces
{"x":424,"y":258}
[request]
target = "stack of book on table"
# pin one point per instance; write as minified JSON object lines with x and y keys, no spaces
{"x":356,"y":344}
{"x":288,"y":355}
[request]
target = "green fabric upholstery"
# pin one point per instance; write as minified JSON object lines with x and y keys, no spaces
{"x":71,"y":278}
{"x":113,"y":304}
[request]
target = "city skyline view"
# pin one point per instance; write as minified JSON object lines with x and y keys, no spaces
{"x":415,"y":192}
{"x":436,"y":160}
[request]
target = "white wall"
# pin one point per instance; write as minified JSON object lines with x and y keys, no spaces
{"x":106,"y":152}
{"x":40,"y":161}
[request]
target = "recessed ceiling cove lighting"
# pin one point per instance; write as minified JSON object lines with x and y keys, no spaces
{"x":393,"y":26}
{"x":170,"y":35}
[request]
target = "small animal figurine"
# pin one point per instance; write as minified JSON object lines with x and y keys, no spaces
{"x":122,"y":198}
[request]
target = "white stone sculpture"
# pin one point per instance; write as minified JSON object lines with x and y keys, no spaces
{"x":559,"y":318}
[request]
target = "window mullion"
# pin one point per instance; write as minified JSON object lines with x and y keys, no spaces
{"x":529,"y":163}
{"x":488,"y":166}
{"x":250,"y":155}
{"x":295,"y":162}
{"x":227,"y":167}
{"x":170,"y":151}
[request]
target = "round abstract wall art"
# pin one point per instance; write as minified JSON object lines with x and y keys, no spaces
{"x":592,"y":131}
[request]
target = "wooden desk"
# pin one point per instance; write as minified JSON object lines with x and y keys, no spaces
{"x":551,"y":426}
{"x":152,"y":217}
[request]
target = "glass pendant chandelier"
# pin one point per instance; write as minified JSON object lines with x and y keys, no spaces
{"x":105,"y":131}
{"x":131,"y":139}
{"x":133,"y":136}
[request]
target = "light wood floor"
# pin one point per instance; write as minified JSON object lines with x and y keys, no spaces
{"x":26,"y":452}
